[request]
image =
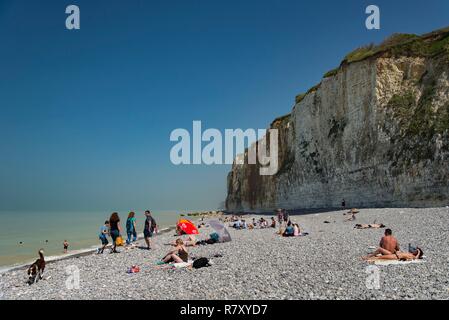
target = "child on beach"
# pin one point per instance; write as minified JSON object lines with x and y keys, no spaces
{"x":66,"y":246}
{"x":104,"y":232}
{"x":131,"y":228}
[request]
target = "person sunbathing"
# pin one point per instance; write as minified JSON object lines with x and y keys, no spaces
{"x":388,"y":245}
{"x":190,"y":242}
{"x":368,"y":226}
{"x":178,"y":255}
{"x":399,"y":256}
{"x":351,"y":218}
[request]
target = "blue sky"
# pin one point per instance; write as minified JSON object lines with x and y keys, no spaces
{"x":85,"y":116}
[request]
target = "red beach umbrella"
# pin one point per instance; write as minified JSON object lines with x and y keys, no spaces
{"x":187,"y":227}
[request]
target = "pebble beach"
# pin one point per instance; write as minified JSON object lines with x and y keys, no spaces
{"x":260,"y":264}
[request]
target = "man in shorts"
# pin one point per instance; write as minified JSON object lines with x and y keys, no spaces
{"x":149,"y":229}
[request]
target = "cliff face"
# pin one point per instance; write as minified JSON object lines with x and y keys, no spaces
{"x":374,"y":132}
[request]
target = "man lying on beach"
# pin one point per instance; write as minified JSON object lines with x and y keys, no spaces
{"x":351,"y":218}
{"x":388,"y":245}
{"x":370,"y":226}
{"x":399,"y":256}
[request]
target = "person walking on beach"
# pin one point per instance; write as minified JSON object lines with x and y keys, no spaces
{"x":149,"y":228}
{"x":131,"y":228}
{"x":115,"y":230}
{"x":66,"y":246}
{"x":343,"y":204}
{"x":104,"y":232}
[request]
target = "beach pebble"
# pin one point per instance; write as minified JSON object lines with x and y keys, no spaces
{"x":259,"y":264}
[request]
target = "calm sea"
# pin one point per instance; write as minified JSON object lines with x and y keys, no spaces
{"x":22,"y":234}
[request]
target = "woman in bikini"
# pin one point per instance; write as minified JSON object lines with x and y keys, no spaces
{"x":400,"y":256}
{"x":179,"y":254}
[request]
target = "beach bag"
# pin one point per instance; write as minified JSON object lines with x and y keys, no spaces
{"x":119,"y":241}
{"x":215,"y":237}
{"x":201,"y":263}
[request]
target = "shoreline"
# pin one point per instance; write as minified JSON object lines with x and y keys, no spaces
{"x":75,"y":254}
{"x":194,"y":217}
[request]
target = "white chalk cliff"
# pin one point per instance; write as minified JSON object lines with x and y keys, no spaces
{"x":375,"y":132}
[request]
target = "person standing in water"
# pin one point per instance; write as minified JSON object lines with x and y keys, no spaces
{"x":149,"y":228}
{"x":115,"y":230}
{"x":66,"y":246}
{"x":131,"y":228}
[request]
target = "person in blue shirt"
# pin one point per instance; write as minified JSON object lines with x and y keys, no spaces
{"x":104,"y":232}
{"x":131,"y":228}
{"x":289,"y":231}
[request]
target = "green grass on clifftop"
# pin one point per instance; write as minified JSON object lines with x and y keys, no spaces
{"x":399,"y":44}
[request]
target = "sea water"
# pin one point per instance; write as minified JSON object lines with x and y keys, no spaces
{"x":22,"y":234}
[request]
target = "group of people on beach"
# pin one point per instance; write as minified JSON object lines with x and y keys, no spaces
{"x":178,"y":254}
{"x":388,"y":247}
{"x":286,"y":227}
{"x":112,"y":228}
